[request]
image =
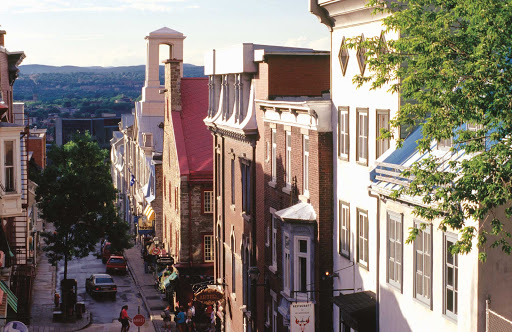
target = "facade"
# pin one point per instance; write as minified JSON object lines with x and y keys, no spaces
{"x":386,"y":284}
{"x":101,"y":129}
{"x":298,"y":205}
{"x":238,"y":76}
{"x":36,"y":146}
{"x":187,"y":175}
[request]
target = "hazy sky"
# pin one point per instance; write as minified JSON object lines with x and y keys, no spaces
{"x":111,"y":32}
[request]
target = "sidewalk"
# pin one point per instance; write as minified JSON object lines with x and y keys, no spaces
{"x":145,"y":282}
{"x":41,"y":317}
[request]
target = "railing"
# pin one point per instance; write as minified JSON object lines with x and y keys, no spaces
{"x":391,"y":173}
{"x":494,"y":322}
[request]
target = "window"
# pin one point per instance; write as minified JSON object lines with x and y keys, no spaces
{"x":232,"y":181}
{"x":208,"y":201}
{"x":444,"y":144}
{"x":176,"y":198}
{"x":9,"y":166}
{"x":274,"y":314}
{"x":288,"y":171}
{"x":274,"y":241}
{"x":362,"y":136}
{"x":287,"y":265}
{"x":305,"y":165}
{"x":233,"y":265}
{"x":343,"y":57}
{"x":208,"y":248}
{"x":274,"y":156}
{"x":382,"y":123}
{"x":218,"y":179}
{"x":246,"y":188}
{"x":344,"y":228}
{"x":423,"y":265}
{"x":451,"y":273}
{"x":394,"y":247}
{"x":362,"y":238}
{"x":343,"y":137}
{"x":361,"y":56}
{"x":302,"y":267}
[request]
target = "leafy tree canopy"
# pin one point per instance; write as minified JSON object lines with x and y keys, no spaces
{"x":76,"y":195}
{"x":452,"y":66}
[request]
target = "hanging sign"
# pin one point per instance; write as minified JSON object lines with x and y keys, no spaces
{"x":209,"y":296}
{"x":302,"y":317}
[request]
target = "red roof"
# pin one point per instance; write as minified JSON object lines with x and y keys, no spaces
{"x":193,"y":139}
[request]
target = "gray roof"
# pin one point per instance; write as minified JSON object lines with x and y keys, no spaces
{"x":301,"y":211}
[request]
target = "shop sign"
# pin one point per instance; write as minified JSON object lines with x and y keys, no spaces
{"x":165,"y":261}
{"x":209,"y":296}
{"x":302,"y":317}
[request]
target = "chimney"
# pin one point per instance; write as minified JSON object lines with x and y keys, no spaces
{"x":173,"y":83}
{"x":2,"y":33}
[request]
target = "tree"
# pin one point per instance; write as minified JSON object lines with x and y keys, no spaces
{"x":76,"y":195}
{"x":452,"y":66}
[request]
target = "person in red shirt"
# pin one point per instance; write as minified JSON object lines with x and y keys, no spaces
{"x":124,"y":319}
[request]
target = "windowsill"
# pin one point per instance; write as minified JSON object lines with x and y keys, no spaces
{"x":233,"y":296}
{"x":267,"y":244}
{"x":362,"y":163}
{"x":267,"y":324}
{"x":363,"y":265}
{"x":422,"y":303}
{"x":343,"y":158}
{"x":304,"y":198}
{"x":272,"y":269}
{"x":246,"y":217}
{"x":451,"y":318}
{"x":287,"y":296}
{"x":395,"y":287}
{"x":345,"y":255}
{"x":287,"y":189}
{"x":232,"y":207}
{"x":272,"y":184}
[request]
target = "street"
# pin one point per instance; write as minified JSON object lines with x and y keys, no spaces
{"x":104,"y":310}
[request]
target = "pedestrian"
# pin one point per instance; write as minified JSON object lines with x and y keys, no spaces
{"x":181,"y":320}
{"x":124,"y":319}
{"x":166,"y":315}
{"x":191,"y":312}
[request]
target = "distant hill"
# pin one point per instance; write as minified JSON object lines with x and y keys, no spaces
{"x":188,"y":69}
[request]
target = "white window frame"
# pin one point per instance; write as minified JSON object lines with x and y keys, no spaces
{"x":362,"y":136}
{"x":423,"y":257}
{"x":12,"y":168}
{"x":286,"y":265}
{"x":208,"y":251}
{"x":208,"y":201}
{"x":394,"y":268}
{"x":344,"y":228}
{"x":274,"y":242}
{"x":450,"y":238}
{"x":343,"y":133}
{"x":273,"y":155}
{"x":296,"y":272}
{"x":382,"y":145}
{"x":274,"y":310}
{"x":305,"y":165}
{"x":288,"y":161}
{"x":444,"y":144}
{"x":363,"y":238}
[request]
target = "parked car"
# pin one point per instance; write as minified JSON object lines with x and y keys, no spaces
{"x":101,"y":284}
{"x":105,"y":252}
{"x":117,"y":263}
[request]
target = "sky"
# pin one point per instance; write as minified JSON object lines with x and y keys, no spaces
{"x":111,"y":32}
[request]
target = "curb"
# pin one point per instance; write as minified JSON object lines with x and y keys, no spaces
{"x":144,"y":300}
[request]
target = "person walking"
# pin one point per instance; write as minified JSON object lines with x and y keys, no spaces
{"x":191,"y":312}
{"x":166,"y":315}
{"x":124,"y":319}
{"x":181,"y":320}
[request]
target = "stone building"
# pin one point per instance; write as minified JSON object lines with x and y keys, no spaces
{"x":187,"y":174}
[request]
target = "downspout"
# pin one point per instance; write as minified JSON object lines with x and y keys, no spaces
{"x":223,"y":223}
{"x":377,"y":277}
{"x":253,"y":233}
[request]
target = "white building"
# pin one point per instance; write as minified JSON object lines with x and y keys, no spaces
{"x":385,"y":284}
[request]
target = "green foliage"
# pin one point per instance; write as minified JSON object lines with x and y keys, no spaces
{"x":452,"y":66}
{"x":76,"y":195}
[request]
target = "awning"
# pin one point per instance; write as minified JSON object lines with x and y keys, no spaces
{"x":149,"y":213}
{"x":358,"y":310}
{"x":12,"y":300}
{"x":301,"y":211}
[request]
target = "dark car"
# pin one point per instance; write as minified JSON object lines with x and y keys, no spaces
{"x":117,"y":263}
{"x":101,"y":284}
{"x":105,"y":252}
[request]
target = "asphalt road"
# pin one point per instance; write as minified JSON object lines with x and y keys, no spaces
{"x":104,"y":310}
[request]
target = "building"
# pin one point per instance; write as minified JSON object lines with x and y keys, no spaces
{"x":238,"y":76}
{"x":36,"y":146}
{"x":386,"y":284}
{"x":101,"y":129}
{"x":187,"y":174}
{"x":16,"y":259}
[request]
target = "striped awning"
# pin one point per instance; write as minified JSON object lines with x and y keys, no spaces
{"x":12,"y":300}
{"x":149,"y":213}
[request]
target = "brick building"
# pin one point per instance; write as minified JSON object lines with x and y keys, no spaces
{"x":237,"y":77}
{"x":187,"y":175}
{"x":36,"y":145}
{"x":298,"y":206}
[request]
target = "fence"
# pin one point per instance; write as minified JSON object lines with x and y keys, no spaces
{"x":494,"y":322}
